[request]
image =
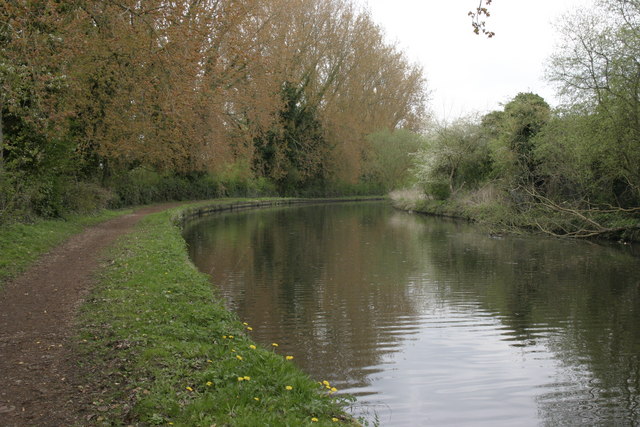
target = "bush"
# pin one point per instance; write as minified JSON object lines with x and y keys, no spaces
{"x":438,"y":190}
{"x":86,"y":197}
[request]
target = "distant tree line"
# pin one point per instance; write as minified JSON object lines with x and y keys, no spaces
{"x":131,"y":101}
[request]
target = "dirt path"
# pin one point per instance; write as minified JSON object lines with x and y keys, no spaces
{"x":38,"y":380}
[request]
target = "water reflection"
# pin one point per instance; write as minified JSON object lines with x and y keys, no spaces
{"x":434,"y":320}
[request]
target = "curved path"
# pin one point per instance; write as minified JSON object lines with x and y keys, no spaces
{"x":39,"y":385}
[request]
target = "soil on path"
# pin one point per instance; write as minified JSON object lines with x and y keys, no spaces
{"x":39,"y":382}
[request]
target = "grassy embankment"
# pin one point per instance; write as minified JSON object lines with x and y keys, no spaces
{"x":162,"y":349}
{"x":21,"y":244}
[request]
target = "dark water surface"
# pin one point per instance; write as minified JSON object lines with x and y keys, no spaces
{"x":434,"y":322}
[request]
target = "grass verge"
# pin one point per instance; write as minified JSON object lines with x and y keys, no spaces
{"x":161,"y":349}
{"x":22,"y":244}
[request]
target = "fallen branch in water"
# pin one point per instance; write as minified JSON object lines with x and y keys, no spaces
{"x":591,"y":228}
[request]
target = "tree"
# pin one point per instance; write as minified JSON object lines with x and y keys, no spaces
{"x":514,"y":130}
{"x":456,"y":155}
{"x":597,"y":70}
{"x":390,"y":157}
{"x":292,"y":153}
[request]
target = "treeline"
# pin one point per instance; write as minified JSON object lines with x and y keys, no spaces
{"x":127,"y":101}
{"x":574,"y":171}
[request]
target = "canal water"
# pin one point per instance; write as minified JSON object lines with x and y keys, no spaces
{"x":435,"y":322}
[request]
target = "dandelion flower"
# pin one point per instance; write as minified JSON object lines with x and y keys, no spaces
{"x":240,"y":378}
{"x":239,"y":357}
{"x":249,"y":328}
{"x":314,"y":420}
{"x":189,"y":388}
{"x":209,"y":383}
{"x":333,"y":389}
{"x":289,"y":387}
{"x":275,"y":344}
{"x":224,"y":337}
{"x":247,"y":378}
{"x":209,"y":361}
{"x":288,"y":357}
{"x":245,"y":323}
{"x":325,"y":382}
{"x":230,"y":337}
{"x":334,"y":419}
{"x":252,"y":347}
{"x":257,"y":399}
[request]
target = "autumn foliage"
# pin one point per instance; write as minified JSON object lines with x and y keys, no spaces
{"x":288,"y":89}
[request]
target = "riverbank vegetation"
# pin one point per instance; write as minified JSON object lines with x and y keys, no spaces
{"x":573,"y":171}
{"x":113,"y":103}
{"x":159,"y":348}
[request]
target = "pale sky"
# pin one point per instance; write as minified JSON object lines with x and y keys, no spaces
{"x":468,"y":73}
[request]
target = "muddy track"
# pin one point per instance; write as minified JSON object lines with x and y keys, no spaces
{"x":39,"y":381}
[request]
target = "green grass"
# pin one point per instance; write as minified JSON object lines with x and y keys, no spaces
{"x":162,"y":350}
{"x":22,"y":244}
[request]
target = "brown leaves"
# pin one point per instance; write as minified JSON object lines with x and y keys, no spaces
{"x":479,"y":25}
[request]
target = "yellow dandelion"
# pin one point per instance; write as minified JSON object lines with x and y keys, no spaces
{"x":240,"y":378}
{"x":209,"y":383}
{"x":288,"y":387}
{"x":189,"y":388}
{"x":314,"y":420}
{"x":334,"y":419}
{"x":209,"y":361}
{"x":325,"y":382}
{"x":275,"y":344}
{"x":239,"y":357}
{"x":233,"y":350}
{"x":333,"y":389}
{"x":247,"y":378}
{"x":224,"y":337}
{"x":249,"y":328}
{"x":245,"y":323}
{"x":257,"y":399}
{"x":252,"y":347}
{"x":289,"y":357}
{"x":230,"y":337}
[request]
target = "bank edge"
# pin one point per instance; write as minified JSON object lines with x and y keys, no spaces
{"x":158,"y":346}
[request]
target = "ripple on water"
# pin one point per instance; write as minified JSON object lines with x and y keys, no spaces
{"x":431,"y":322}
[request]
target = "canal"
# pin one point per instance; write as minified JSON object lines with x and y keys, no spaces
{"x":430,"y":321}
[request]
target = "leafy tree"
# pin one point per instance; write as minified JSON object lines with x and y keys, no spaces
{"x":390,"y":157}
{"x":597,"y":71}
{"x":456,"y":155}
{"x":292,"y":152}
{"x":514,"y":130}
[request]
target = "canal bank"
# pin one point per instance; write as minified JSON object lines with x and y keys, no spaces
{"x":499,"y":215}
{"x":159,"y":347}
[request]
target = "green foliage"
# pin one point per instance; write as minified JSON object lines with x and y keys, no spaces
{"x":513,"y":133}
{"x":142,"y":186}
{"x":155,"y":327}
{"x":390,"y":158}
{"x":455,"y":156}
{"x":605,"y":90}
{"x":293,"y":151}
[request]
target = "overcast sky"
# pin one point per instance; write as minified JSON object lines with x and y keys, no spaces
{"x":468,"y":73}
